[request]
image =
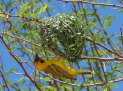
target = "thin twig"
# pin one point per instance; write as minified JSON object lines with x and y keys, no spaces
{"x":21,"y":39}
{"x":20,"y":64}
{"x":92,"y":3}
{"x":103,"y":59}
{"x":92,"y":41}
{"x":4,"y":80}
{"x":30,"y":19}
{"x":86,"y":58}
{"x":83,"y":85}
{"x":109,"y":41}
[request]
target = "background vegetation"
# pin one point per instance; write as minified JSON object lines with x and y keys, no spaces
{"x":77,"y":32}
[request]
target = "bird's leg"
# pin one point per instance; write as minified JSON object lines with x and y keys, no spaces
{"x":54,"y":84}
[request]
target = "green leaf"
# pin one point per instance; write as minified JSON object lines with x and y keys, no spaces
{"x":20,"y":82}
{"x":47,"y":79}
{"x":109,"y":85}
{"x":3,"y":15}
{"x":24,"y":9}
{"x":11,"y":70}
{"x":108,"y":20}
{"x":118,"y":67}
{"x":43,"y":9}
{"x":1,"y":87}
{"x":121,"y":11}
{"x":26,"y":89}
{"x":51,"y":88}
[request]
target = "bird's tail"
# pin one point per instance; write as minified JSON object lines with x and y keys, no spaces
{"x":84,"y":73}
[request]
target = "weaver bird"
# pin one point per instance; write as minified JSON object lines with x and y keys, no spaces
{"x":56,"y":68}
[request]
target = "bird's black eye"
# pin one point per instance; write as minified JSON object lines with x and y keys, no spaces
{"x":41,"y":60}
{"x":37,"y":58}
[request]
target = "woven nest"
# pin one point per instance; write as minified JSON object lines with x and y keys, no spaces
{"x":64,"y":35}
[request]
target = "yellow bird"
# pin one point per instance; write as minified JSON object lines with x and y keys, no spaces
{"x":57,"y":68}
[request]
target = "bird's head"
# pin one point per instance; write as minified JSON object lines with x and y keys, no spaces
{"x":37,"y":58}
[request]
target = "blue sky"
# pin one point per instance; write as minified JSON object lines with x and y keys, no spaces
{"x":113,"y":29}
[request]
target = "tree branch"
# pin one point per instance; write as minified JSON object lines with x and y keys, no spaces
{"x":7,"y":15}
{"x":92,"y":41}
{"x":92,"y":3}
{"x":20,"y":64}
{"x":103,"y":59}
{"x":21,"y":39}
{"x":84,"y":85}
{"x":86,"y":58}
{"x":4,"y":80}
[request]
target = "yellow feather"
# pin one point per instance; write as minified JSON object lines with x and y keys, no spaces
{"x":58,"y":69}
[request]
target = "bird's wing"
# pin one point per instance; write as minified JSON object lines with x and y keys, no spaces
{"x":58,"y":72}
